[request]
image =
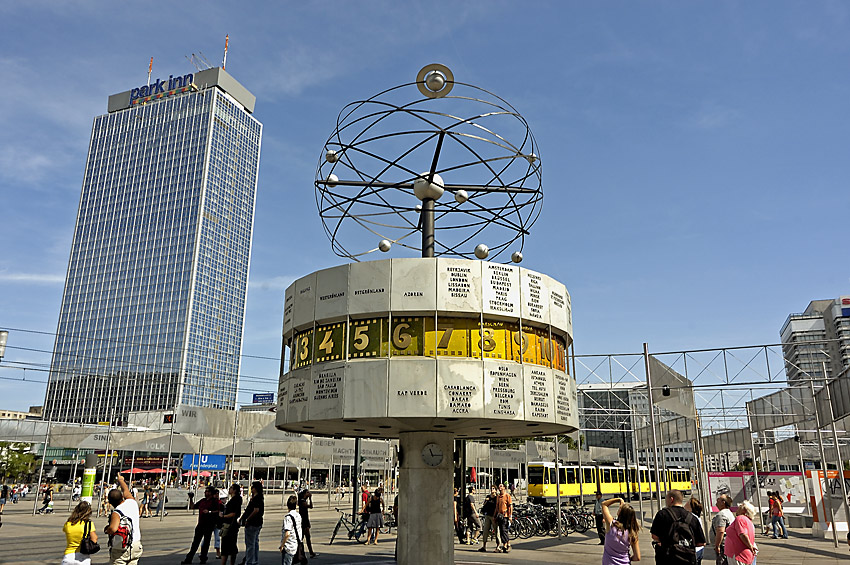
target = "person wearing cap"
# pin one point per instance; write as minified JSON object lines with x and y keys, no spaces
{"x":208,"y":516}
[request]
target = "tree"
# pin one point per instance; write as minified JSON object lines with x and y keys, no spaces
{"x":16,"y":461}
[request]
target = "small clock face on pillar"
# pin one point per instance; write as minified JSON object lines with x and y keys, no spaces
{"x":432,"y":455}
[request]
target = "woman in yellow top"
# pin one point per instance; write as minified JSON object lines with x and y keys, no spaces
{"x":74,"y":529}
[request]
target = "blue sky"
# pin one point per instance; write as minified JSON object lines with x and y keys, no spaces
{"x":695,"y":154}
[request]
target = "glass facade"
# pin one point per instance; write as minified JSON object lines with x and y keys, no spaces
{"x":154,"y":299}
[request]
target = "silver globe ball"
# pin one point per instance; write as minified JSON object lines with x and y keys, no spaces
{"x":516,"y":257}
{"x":385,"y":245}
{"x":482,"y":251}
{"x":418,"y":208}
{"x":435,"y":81}
{"x":332,"y":180}
{"x":531,"y":158}
{"x":423,"y":189}
{"x":461,"y":196}
{"x":331,"y":156}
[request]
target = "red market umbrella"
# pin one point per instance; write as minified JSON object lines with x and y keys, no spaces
{"x":155,"y":471}
{"x":473,"y":475}
{"x":206,"y":474}
{"x":134,"y":471}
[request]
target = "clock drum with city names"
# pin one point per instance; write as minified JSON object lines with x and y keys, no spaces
{"x":471,"y":347}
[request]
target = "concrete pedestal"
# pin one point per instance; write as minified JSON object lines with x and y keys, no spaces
{"x":426,"y":528}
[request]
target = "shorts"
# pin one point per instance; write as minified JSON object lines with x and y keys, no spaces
{"x":473,"y":522}
{"x":129,"y":556}
{"x":2,"y":501}
{"x":376,"y":520}
{"x":76,"y":559}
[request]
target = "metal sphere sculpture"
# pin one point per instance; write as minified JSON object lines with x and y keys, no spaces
{"x":373,"y":172}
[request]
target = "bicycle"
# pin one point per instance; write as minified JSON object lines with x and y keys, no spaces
{"x":355,"y":530}
{"x":389,"y":523}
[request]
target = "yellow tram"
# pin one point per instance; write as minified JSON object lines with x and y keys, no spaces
{"x":608,"y":480}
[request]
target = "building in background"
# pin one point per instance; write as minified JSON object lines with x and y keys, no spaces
{"x":609,"y":412}
{"x":819,"y":335}
{"x":154,"y":301}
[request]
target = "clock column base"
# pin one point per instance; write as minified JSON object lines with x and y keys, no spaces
{"x":426,"y":518}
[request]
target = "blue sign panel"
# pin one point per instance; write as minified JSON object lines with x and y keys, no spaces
{"x":208,"y":462}
{"x":264,"y":398}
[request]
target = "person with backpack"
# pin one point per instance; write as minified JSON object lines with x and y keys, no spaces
{"x":125,"y":536}
{"x":676,"y":533}
{"x":77,"y":528}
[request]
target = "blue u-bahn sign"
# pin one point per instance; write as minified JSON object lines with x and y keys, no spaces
{"x":208,"y":462}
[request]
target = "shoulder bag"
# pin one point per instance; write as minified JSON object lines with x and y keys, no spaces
{"x":87,"y":546}
{"x":300,"y":558}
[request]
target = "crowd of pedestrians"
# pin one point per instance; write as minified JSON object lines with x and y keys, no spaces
{"x":676,"y":530}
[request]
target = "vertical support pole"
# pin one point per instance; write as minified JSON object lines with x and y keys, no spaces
{"x":557,"y":486}
{"x":803,"y":470}
{"x":840,"y":465}
{"x":755,"y":469}
{"x":41,"y":466}
{"x":233,"y":446}
{"x":652,"y":423}
{"x":827,"y":500}
{"x":105,"y":455}
{"x":74,"y":475}
{"x":132,"y":465}
{"x":251,"y":465}
{"x":355,"y":480}
{"x":637,"y":462}
{"x":462,"y":447}
{"x":330,"y":481}
{"x":626,"y":458}
{"x":167,"y":466}
{"x":310,"y":464}
{"x":580,"y":472}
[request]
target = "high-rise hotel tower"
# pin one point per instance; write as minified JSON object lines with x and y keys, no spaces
{"x":154,"y":299}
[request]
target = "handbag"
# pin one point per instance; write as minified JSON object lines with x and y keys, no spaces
{"x":300,"y":558}
{"x":87,"y":546}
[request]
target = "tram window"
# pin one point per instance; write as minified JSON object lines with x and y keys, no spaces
{"x":606,"y":475}
{"x":588,"y":476}
{"x":571,"y":475}
{"x":563,"y":474}
{"x":652,"y":475}
{"x":621,"y":476}
{"x":535,"y":475}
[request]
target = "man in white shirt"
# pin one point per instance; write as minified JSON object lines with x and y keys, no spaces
{"x":291,"y":533}
{"x":721,"y":521}
{"x":125,"y":536}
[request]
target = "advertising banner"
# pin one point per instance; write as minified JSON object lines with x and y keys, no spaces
{"x":740,"y":485}
{"x":822,"y":488}
{"x":88,"y":485}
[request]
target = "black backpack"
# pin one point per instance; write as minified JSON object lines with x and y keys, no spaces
{"x":678,"y":545}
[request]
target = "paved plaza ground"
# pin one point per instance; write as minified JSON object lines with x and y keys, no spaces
{"x":27,"y":539}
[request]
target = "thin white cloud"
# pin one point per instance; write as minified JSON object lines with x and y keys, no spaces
{"x":36,"y":278}
{"x":273,"y":283}
{"x":713,"y":116}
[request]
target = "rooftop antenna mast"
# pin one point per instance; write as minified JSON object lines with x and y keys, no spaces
{"x":224,"y":60}
{"x":150,"y":68}
{"x":192,"y":61}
